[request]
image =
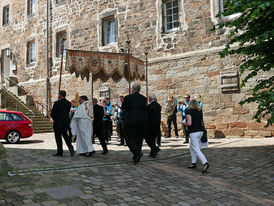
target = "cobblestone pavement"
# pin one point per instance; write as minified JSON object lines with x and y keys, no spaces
{"x":241,"y":173}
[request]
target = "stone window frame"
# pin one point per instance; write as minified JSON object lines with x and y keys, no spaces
{"x":6,"y":21}
{"x":100,"y":19}
{"x":31,"y":7}
{"x":164,"y":19}
{"x":160,"y":26}
{"x":216,"y":6}
{"x":30,"y":63}
{"x":55,"y":33}
{"x":59,"y":43}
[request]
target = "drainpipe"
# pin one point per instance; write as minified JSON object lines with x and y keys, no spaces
{"x":47,"y":62}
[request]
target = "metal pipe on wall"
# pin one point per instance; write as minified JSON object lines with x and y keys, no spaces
{"x":47,"y":62}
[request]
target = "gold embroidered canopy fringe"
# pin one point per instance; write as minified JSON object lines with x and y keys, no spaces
{"x":104,"y":65}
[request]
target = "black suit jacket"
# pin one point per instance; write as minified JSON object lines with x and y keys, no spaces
{"x":134,"y":110}
{"x":98,"y":117}
{"x":60,"y":113}
{"x":154,"y":119}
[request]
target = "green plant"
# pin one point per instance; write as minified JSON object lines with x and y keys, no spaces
{"x":252,"y":34}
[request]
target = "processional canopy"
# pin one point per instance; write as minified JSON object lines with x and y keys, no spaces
{"x":104,"y":65}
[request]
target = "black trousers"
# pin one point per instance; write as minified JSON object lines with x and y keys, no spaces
{"x":151,"y":142}
{"x":106,"y":130}
{"x":99,"y":133}
{"x":134,"y":139}
{"x":59,"y":132}
{"x":186,"y":131}
{"x":172,"y":119}
{"x":121,"y":130}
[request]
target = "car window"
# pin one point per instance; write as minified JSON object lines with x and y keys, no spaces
{"x":5,"y":116}
{"x":16,"y":117}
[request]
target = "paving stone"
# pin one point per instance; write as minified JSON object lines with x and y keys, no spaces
{"x":63,"y":192}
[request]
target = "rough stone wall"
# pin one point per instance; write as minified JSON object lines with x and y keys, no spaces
{"x":182,"y":62}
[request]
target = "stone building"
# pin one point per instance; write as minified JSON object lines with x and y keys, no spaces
{"x":183,"y":53}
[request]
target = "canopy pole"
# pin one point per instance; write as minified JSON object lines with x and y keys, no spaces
{"x":61,"y":67}
{"x":146,"y":53}
{"x":91,"y":87}
{"x":128,"y":64}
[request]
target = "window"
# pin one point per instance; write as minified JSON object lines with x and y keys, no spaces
{"x":61,"y":43}
{"x":224,"y":8}
{"x":223,"y":5}
{"x":109,"y":30}
{"x":61,"y":1}
{"x":171,"y":15}
{"x":5,"y":117}
{"x":31,"y":52}
{"x":16,"y":117}
{"x":6,"y":15}
{"x":31,"y":7}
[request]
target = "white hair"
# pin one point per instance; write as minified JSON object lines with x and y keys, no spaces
{"x":136,"y":87}
{"x":153,"y":97}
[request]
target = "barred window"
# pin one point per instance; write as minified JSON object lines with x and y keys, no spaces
{"x":171,"y":15}
{"x":6,"y":15}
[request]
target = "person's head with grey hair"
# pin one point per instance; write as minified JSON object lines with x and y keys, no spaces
{"x":136,"y":87}
{"x":193,"y":104}
{"x":152,"y":97}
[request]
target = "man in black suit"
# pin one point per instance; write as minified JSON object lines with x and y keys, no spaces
{"x":98,"y":124}
{"x":154,"y":124}
{"x":135,"y":120}
{"x":60,"y":115}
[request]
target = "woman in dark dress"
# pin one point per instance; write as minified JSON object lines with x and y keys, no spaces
{"x":195,"y":124}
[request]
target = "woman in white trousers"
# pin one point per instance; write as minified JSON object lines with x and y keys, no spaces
{"x":194,"y":122}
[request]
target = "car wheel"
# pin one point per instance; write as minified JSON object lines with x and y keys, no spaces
{"x":13,"y":137}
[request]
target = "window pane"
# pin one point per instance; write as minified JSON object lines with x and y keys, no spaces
{"x":169,"y":12}
{"x":169,"y":19}
{"x":169,"y":26}
{"x":175,"y":10}
{"x":176,"y":17}
{"x":5,"y":117}
{"x":175,"y":3}
{"x":168,"y":5}
{"x":176,"y":24}
{"x":16,"y":117}
{"x":110,"y":31}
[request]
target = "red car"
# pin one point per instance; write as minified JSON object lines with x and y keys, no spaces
{"x":14,"y":126}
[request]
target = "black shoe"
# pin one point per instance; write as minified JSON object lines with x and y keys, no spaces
{"x":121,"y":144}
{"x":185,"y":142}
{"x":57,"y":155}
{"x":154,"y":153}
{"x":168,"y":136}
{"x":177,"y":136}
{"x":137,"y":158}
{"x":206,"y":166}
{"x":89,"y":154}
{"x":82,"y":154}
{"x":192,"y":166}
{"x":72,"y":152}
{"x":104,"y":152}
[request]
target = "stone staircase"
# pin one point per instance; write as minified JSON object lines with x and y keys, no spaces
{"x":15,"y":100}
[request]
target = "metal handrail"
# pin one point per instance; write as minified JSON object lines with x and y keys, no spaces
{"x":44,"y":106}
{"x":18,"y":101}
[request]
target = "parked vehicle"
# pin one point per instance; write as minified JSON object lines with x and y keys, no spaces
{"x":14,"y":126}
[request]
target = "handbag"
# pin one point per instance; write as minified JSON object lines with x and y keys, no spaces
{"x":204,"y":137}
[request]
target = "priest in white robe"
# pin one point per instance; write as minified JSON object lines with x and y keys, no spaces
{"x":81,"y":126}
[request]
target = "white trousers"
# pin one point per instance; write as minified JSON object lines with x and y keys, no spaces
{"x":195,"y":147}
